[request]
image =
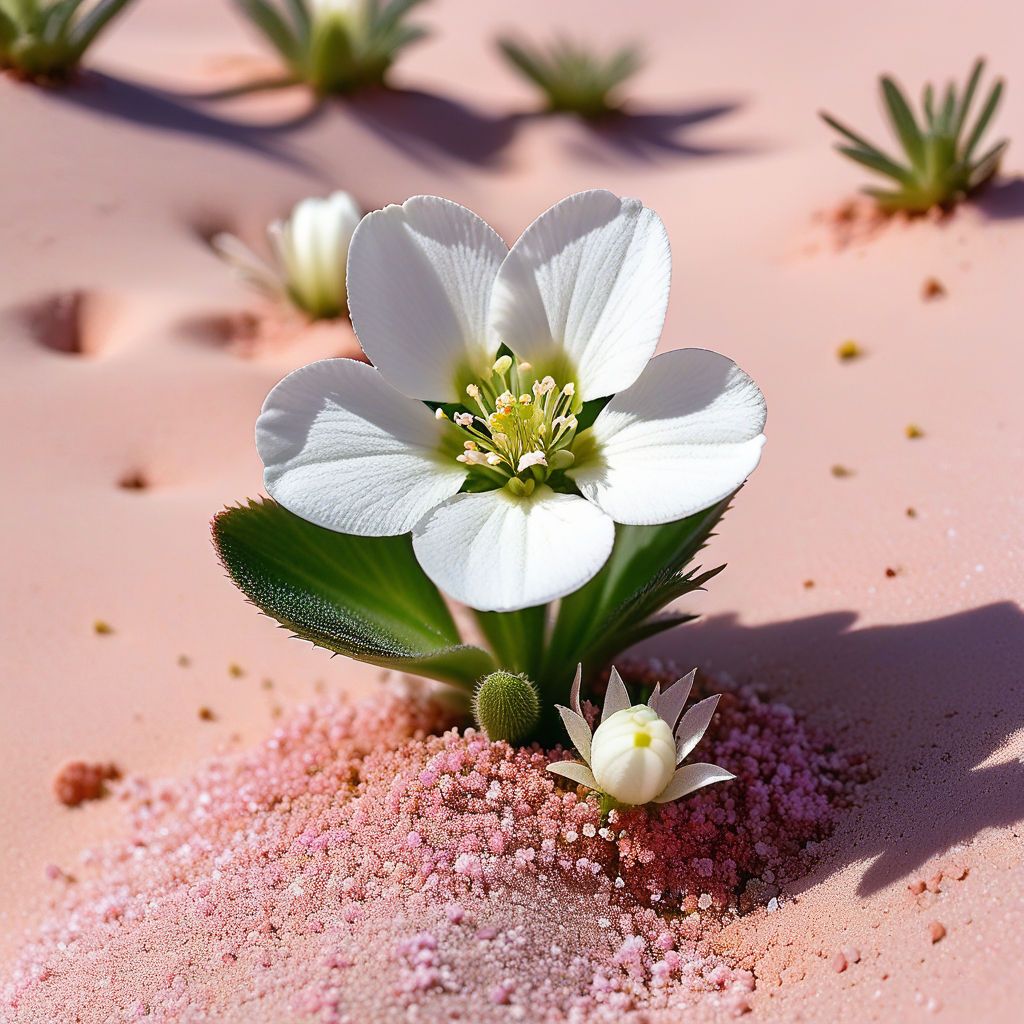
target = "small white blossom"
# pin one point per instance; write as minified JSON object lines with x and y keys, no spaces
{"x":310,"y":252}
{"x":635,"y":756}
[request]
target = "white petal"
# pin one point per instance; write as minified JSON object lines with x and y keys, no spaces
{"x":683,"y":437}
{"x":496,"y":552}
{"x":694,"y":724}
{"x":574,"y":691}
{"x":692,"y":777}
{"x":250,"y":267}
{"x":673,"y":700}
{"x":419,"y":284}
{"x":576,"y":772}
{"x":582,"y":295}
{"x":616,"y":696}
{"x":342,"y":449}
{"x":578,"y":730}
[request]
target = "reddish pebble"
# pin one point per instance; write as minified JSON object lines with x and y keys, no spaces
{"x":839,"y":963}
{"x":936,"y":931}
{"x":77,"y":782}
{"x":917,"y":887}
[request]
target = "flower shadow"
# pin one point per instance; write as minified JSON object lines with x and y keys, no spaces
{"x":932,"y":703}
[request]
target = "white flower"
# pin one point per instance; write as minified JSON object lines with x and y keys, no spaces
{"x":519,"y":339}
{"x":310,"y":252}
{"x":635,"y":756}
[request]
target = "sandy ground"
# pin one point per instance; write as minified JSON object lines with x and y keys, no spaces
{"x":109,"y":190}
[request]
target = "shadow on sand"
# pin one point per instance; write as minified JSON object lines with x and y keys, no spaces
{"x":179,"y":113}
{"x":1003,"y":199}
{"x":647,"y":135}
{"x":930,"y":702}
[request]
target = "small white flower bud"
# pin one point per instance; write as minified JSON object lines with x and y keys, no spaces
{"x":633,"y":755}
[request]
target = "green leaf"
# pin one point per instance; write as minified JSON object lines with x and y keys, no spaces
{"x":877,"y":162}
{"x":903,"y":121}
{"x":983,"y":119}
{"x":857,"y":140}
{"x":365,"y":597}
{"x":517,"y":638}
{"x":269,"y":21}
{"x":643,"y":572}
{"x":968,"y":97}
{"x":94,"y":22}
{"x":8,"y":30}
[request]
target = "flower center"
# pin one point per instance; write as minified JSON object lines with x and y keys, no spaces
{"x":518,"y":427}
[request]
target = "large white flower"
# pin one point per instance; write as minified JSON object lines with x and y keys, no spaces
{"x":511,"y":502}
{"x":310,"y":252}
{"x":636,"y":754}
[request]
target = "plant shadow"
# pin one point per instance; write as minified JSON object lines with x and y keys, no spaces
{"x":646,"y":135}
{"x":178,"y":113}
{"x":932,"y":704}
{"x":1003,"y":199}
{"x":431,"y":126}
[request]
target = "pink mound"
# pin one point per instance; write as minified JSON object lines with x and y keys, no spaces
{"x":357,"y":868}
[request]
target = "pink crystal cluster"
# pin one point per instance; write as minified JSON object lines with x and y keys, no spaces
{"x":357,"y":866}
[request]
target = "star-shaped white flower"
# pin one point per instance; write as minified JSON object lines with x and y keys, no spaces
{"x":510,"y":503}
{"x":635,"y":755}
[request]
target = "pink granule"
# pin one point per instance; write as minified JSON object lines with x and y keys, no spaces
{"x":357,"y":867}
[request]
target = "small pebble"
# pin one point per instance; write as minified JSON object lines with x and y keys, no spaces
{"x":932,"y":288}
{"x":917,"y":887}
{"x":890,"y":572}
{"x":839,"y":963}
{"x":235,"y":670}
{"x":206,"y":714}
{"x":839,"y":471}
{"x":936,"y":931}
{"x":849,"y":350}
{"x":913,"y":431}
{"x":101,"y":628}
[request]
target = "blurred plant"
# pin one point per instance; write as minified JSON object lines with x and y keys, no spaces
{"x":335,"y":46}
{"x":310,"y":252}
{"x":573,"y":79}
{"x":636,"y":754}
{"x":44,"y":40}
{"x":941,"y":168}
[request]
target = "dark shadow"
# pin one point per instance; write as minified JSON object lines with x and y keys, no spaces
{"x":646,"y":135}
{"x":431,"y":127}
{"x":927,"y":701}
{"x":177,"y":112}
{"x":1003,"y":199}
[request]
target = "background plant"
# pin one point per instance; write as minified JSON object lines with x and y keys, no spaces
{"x":573,"y":79}
{"x":940,"y":166}
{"x":45,"y":40}
{"x":335,"y":46}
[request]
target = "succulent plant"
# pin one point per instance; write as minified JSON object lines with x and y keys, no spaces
{"x":44,"y":40}
{"x":941,"y":165}
{"x":573,"y":79}
{"x":335,"y":46}
{"x":506,"y":706}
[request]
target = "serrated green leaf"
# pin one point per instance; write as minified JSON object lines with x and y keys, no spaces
{"x":644,"y":566}
{"x":365,"y":597}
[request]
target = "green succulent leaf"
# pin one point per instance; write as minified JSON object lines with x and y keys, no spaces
{"x":365,"y":597}
{"x":646,"y":570}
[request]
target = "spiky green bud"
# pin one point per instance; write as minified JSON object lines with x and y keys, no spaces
{"x":506,"y":706}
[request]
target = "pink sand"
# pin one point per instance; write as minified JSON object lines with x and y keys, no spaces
{"x":351,"y":869}
{"x":110,"y":187}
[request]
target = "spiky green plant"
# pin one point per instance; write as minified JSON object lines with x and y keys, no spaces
{"x":44,"y":40}
{"x":335,"y":46}
{"x":573,"y":79}
{"x":506,"y":706}
{"x":941,"y":167}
